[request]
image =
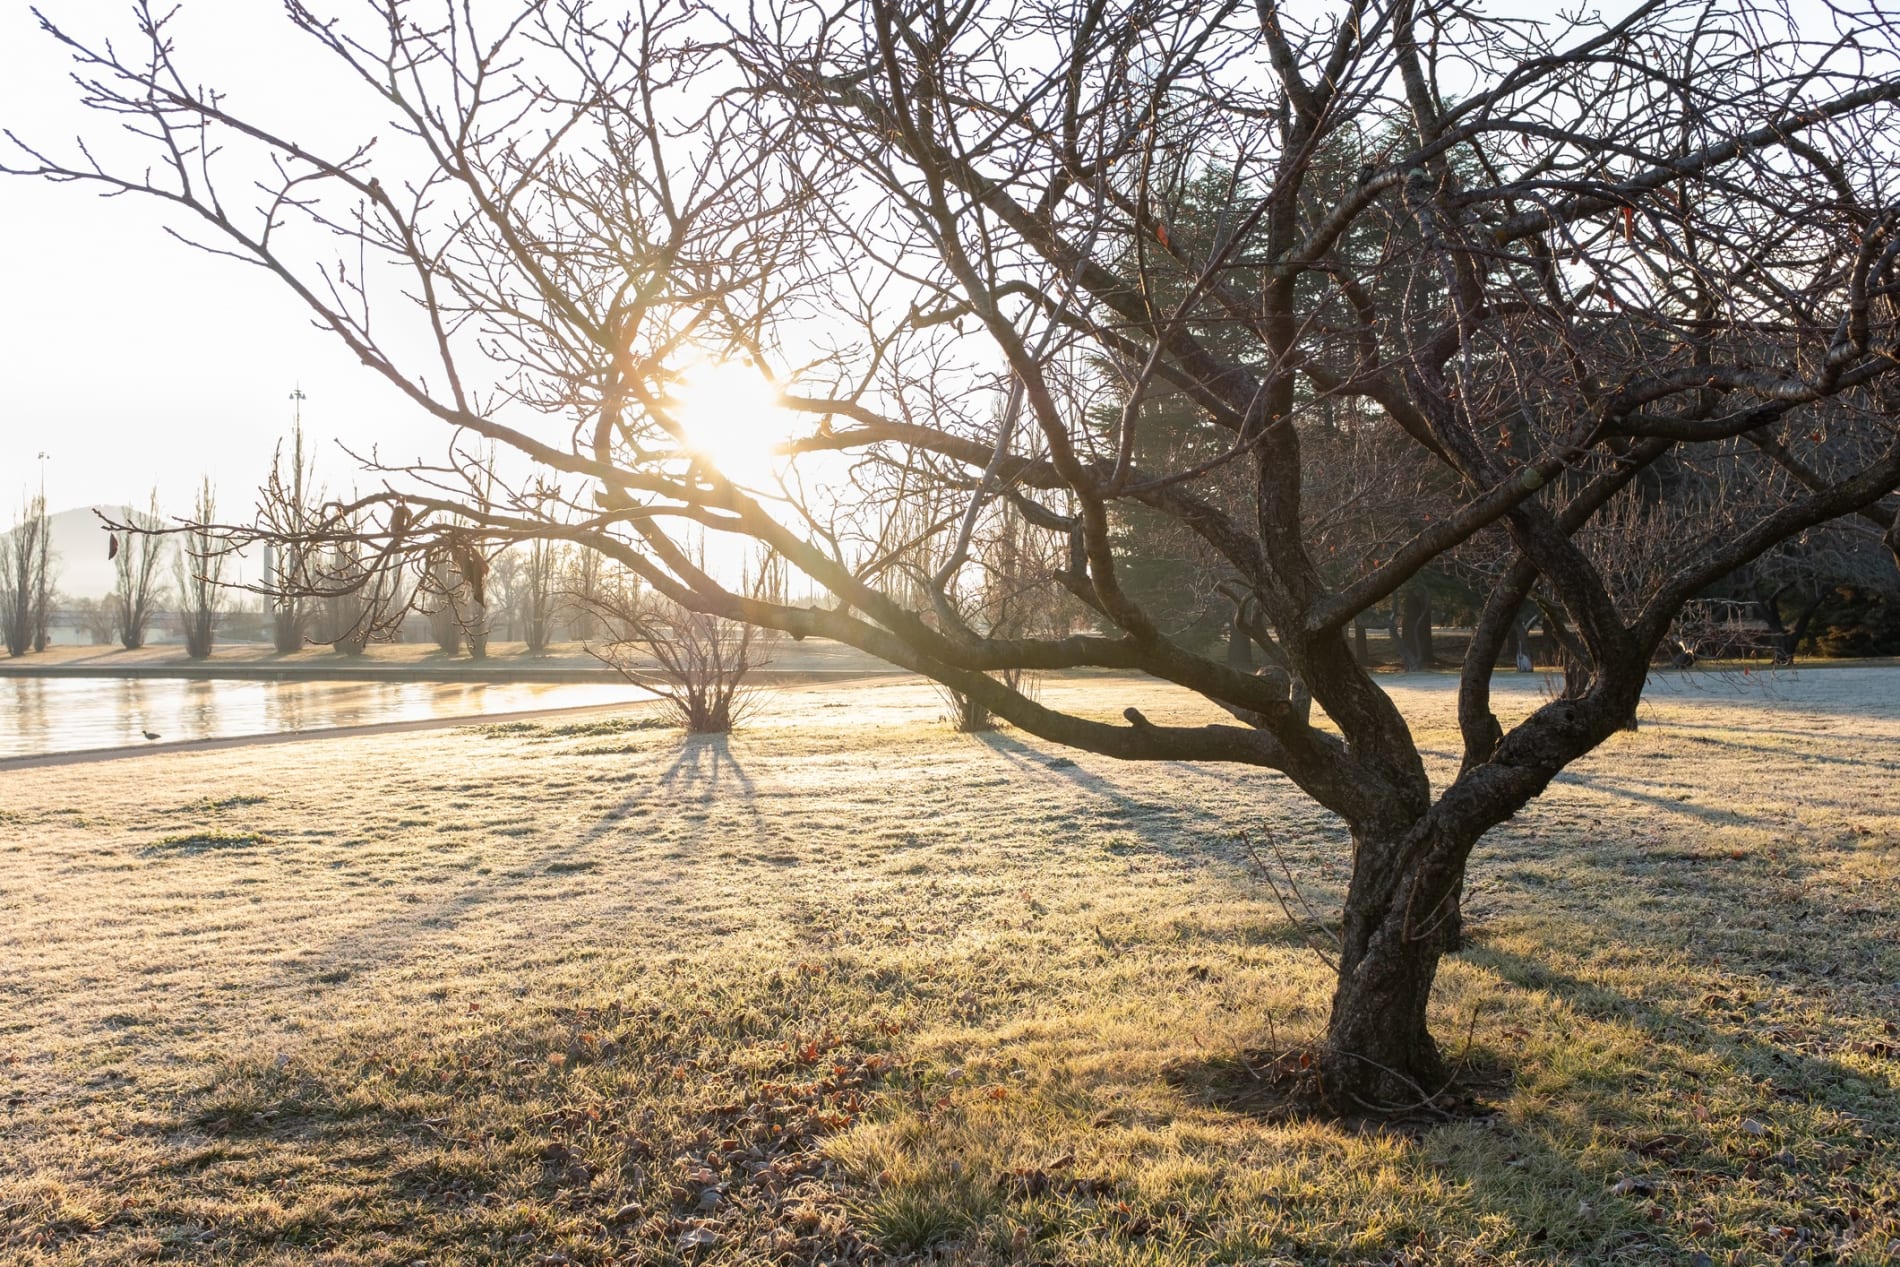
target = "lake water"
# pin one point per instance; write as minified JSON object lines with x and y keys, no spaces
{"x":40,"y":716}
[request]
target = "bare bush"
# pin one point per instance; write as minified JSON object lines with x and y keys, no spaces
{"x":701,"y":664}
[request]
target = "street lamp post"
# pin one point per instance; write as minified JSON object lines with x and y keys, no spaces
{"x":42,"y":597}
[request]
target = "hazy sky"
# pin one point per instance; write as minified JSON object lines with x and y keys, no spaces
{"x":127,"y":357}
{"x":134,"y":361}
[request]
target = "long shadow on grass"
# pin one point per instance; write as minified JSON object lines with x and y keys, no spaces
{"x":1785,"y":689}
{"x":1776,"y":914}
{"x":1730,"y":742}
{"x":1178,"y":826}
{"x":696,"y":770}
{"x":702,"y":761}
{"x":1808,"y":1164}
{"x":1066,"y":770}
{"x":1621,"y":789}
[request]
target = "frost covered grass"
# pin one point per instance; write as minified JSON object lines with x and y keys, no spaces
{"x":849,"y":987}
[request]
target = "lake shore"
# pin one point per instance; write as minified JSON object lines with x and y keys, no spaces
{"x":813,"y":660}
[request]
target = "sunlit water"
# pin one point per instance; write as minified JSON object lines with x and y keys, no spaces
{"x":42,"y":716}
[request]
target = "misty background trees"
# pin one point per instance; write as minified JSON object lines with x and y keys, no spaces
{"x":30,"y":579}
{"x":139,"y":553}
{"x":201,"y":562}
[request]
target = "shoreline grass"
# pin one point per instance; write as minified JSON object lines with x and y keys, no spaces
{"x":848,"y":987}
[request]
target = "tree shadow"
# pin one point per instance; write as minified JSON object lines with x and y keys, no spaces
{"x":1873,"y":688}
{"x":1064,"y":768}
{"x":701,"y":762}
{"x":694,"y":774}
{"x":702,"y":771}
{"x":1180,"y":827}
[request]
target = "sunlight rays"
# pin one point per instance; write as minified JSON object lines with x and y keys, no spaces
{"x":733,"y":417}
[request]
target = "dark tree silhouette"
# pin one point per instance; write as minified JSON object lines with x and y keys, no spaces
{"x":1577,"y":258}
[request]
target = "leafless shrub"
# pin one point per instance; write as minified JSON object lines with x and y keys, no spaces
{"x":288,"y":517}
{"x":699,"y":663}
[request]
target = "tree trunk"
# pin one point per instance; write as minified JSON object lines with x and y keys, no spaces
{"x":1412,"y":631}
{"x":1783,"y":641}
{"x":1402,"y":914}
{"x":1395,"y":634}
{"x":286,"y":631}
{"x":446,"y":629}
{"x":1421,"y":632}
{"x":1526,"y":663}
{"x":1239,"y":647}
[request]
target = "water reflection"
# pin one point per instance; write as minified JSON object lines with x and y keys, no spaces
{"x":29,"y":707}
{"x":39,"y":716}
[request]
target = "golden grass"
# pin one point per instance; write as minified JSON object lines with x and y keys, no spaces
{"x":847,"y":986}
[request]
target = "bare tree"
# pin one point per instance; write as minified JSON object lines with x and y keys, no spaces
{"x":1574,"y":253}
{"x":351,"y":595}
{"x":289,"y":515}
{"x":99,"y":618}
{"x":45,"y":577}
{"x":539,"y":593}
{"x":585,"y":586}
{"x":138,"y":549}
{"x":25,"y":561}
{"x":200,"y":562}
{"x":453,"y":587}
{"x":1003,"y":592}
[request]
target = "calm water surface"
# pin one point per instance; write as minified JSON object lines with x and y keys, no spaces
{"x":39,"y":716}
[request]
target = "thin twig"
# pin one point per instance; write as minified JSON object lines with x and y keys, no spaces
{"x":1429,"y":1102}
{"x":1266,"y":873}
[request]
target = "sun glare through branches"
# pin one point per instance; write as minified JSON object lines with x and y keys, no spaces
{"x":733,"y":417}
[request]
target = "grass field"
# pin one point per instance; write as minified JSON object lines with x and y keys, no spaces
{"x":848,"y":987}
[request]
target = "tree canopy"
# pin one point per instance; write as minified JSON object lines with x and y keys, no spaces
{"x":1411,"y":289}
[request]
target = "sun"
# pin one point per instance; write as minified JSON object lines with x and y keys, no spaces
{"x":733,"y":417}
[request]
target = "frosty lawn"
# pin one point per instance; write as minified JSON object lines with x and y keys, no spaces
{"x":847,"y":985}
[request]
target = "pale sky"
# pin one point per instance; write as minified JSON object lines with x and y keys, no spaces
{"x":134,"y":361}
{"x":129,"y":358}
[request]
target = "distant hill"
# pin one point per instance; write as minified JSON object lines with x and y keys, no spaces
{"x":81,"y":569}
{"x":79,"y":539}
